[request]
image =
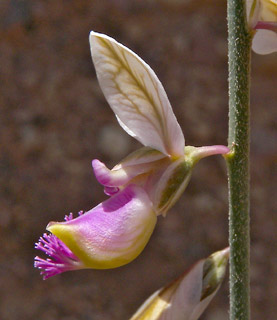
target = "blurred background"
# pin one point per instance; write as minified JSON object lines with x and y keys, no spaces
{"x":55,"y":120}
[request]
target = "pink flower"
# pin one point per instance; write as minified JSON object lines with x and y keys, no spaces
{"x":144,"y":185}
{"x":262,"y":18}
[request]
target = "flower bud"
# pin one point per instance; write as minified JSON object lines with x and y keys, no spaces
{"x":188,"y":296}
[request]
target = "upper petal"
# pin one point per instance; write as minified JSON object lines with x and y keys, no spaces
{"x":111,"y":234}
{"x":136,"y":95}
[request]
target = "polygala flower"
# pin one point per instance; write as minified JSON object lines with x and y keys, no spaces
{"x":187,"y":297}
{"x":144,"y":185}
{"x":262,"y":19}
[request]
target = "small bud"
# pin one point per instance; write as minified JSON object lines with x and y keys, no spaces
{"x":187,"y":297}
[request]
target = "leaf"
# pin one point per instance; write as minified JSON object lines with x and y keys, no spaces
{"x":136,"y":96}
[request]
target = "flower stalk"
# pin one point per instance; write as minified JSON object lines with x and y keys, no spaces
{"x":239,"y":48}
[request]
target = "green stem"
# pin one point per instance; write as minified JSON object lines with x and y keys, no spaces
{"x":239,"y":48}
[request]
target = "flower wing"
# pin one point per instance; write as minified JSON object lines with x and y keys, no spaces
{"x":265,"y":42}
{"x":136,"y":96}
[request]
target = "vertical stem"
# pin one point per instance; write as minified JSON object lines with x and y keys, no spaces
{"x":239,"y":48}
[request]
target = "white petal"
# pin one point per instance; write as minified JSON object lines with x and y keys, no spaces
{"x":136,"y":96}
{"x":265,"y":42}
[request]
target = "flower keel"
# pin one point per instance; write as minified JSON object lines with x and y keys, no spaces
{"x":108,"y":236}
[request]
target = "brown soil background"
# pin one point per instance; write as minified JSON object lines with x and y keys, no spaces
{"x":54,"y":121}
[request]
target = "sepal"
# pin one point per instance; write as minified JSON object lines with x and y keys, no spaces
{"x":176,"y":177}
{"x":172,"y":184}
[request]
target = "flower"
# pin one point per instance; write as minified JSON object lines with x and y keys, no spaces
{"x":144,"y":185}
{"x":262,"y":19}
{"x":187,"y":297}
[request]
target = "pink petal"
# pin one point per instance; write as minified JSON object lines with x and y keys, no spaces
{"x":111,"y":234}
{"x":110,"y":178}
{"x":138,"y":162}
{"x":120,"y":176}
